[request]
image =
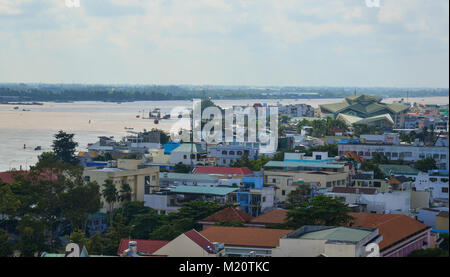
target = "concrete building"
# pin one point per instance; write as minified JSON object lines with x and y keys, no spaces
{"x":316,"y":241}
{"x":408,"y":153}
{"x":167,"y":179}
{"x":226,"y":153}
{"x":435,"y":181}
{"x":142,"y":180}
{"x":189,"y":244}
{"x":188,"y":154}
{"x":253,"y":197}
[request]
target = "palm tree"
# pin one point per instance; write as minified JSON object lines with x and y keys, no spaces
{"x":125,"y":193}
{"x":110,"y":194}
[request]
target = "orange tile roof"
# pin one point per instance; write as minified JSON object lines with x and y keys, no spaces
{"x":147,"y":246}
{"x":248,"y":237}
{"x":271,"y":217}
{"x":229,"y":214}
{"x":393,"y":227}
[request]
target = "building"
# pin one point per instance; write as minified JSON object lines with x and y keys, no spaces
{"x":383,"y":122}
{"x":387,"y":138}
{"x":189,"y":244}
{"x":228,"y":153}
{"x":408,"y":153}
{"x":144,"y":247}
{"x":435,"y":181}
{"x":230,"y":215}
{"x":296,"y":110}
{"x":188,"y":154}
{"x":324,"y":241}
{"x":253,"y":197}
{"x":142,"y":180}
{"x":245,"y":242}
{"x":167,"y":179}
{"x":321,"y":172}
{"x":432,"y":217}
{"x":171,"y":199}
{"x":401,"y":234}
{"x":273,"y":217}
{"x":366,"y":106}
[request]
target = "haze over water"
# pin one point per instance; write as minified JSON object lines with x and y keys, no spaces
{"x":37,"y":126}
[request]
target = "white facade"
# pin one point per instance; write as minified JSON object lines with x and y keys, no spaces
{"x":436,"y":184}
{"x":400,"y":152}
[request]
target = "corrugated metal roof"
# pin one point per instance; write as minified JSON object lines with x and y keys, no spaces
{"x":302,"y":164}
{"x":338,"y":234}
{"x":221,"y":191}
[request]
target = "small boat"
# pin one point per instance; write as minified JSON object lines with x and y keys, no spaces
{"x":138,"y":116}
{"x":156,"y":121}
{"x":16,"y":108}
{"x":38,"y":148}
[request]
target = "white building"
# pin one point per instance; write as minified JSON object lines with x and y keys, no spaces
{"x":435,"y":181}
{"x":187,"y":154}
{"x":408,"y":153}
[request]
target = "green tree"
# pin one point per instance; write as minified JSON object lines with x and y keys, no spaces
{"x":181,"y":168}
{"x":110,"y":194}
{"x":79,"y":238}
{"x":64,"y":147}
{"x":321,"y":210}
{"x":6,"y":248}
{"x":301,"y":194}
{"x":9,"y":202}
{"x":125,"y":193}
{"x":229,"y":224}
{"x":426,"y":164}
{"x":444,"y":243}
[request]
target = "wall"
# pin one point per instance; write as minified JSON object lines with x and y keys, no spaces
{"x":182,"y":246}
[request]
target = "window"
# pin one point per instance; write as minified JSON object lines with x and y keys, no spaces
{"x":361,"y":153}
{"x":367,"y":154}
{"x":443,"y":157}
{"x":185,"y":157}
{"x":377,"y":184}
{"x":264,"y":199}
{"x":239,"y":153}
{"x":283,"y":192}
{"x":444,"y":180}
{"x":224,"y":152}
{"x":434,"y":180}
{"x":193,"y":156}
{"x":444,"y":190}
{"x":394,"y":154}
{"x":436,"y":156}
{"x":328,"y":184}
{"x":231,"y":152}
{"x":153,"y":177}
{"x":87,"y":178}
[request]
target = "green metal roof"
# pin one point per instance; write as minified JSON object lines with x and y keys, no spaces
{"x":221,"y":191}
{"x":389,"y":169}
{"x":186,"y":147}
{"x":338,"y":234}
{"x":303,"y":164}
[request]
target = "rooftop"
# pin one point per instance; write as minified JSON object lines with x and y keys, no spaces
{"x":344,"y":234}
{"x":220,"y":191}
{"x":146,"y":246}
{"x":303,"y":164}
{"x":272,"y":217}
{"x":249,"y":237}
{"x":186,"y":147}
{"x":187,"y":176}
{"x":393,"y":227}
{"x":389,"y":169}
{"x":229,"y":214}
{"x":223,"y":170}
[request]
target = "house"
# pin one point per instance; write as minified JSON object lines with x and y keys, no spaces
{"x":253,"y":197}
{"x":189,"y":244}
{"x":328,"y":241}
{"x":431,"y":216}
{"x":435,"y":181}
{"x":188,"y":154}
{"x":442,"y":221}
{"x":245,"y":242}
{"x":144,"y":247}
{"x":401,"y":234}
{"x":383,"y":121}
{"x":171,"y":199}
{"x":141,"y":179}
{"x":228,"y":153}
{"x":86,"y":157}
{"x":276,"y":216}
{"x":229,"y":214}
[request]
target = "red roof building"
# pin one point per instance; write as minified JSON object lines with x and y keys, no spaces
{"x":145,"y":246}
{"x":229,"y":214}
{"x":222,"y":170}
{"x":401,"y":234}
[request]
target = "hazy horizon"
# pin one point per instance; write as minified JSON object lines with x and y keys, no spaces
{"x":264,"y":43}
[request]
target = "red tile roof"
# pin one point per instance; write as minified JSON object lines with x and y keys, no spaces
{"x":145,"y":246}
{"x":249,"y":237}
{"x":222,"y":170}
{"x":199,"y":239}
{"x":271,"y":217}
{"x":393,"y":227}
{"x":9,"y":177}
{"x":229,"y":214}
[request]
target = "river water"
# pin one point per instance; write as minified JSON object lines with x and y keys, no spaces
{"x":88,"y":120}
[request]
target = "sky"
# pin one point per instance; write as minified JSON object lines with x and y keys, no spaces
{"x":363,"y":43}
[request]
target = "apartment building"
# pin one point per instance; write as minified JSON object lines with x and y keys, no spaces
{"x":408,"y":153}
{"x":141,"y":179}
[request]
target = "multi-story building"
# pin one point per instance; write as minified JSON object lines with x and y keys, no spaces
{"x":141,"y":179}
{"x":296,"y":110}
{"x":408,"y":153}
{"x":321,"y":171}
{"x":228,"y":153}
{"x":435,"y":181}
{"x":188,"y":154}
{"x":253,"y":197}
{"x":167,"y":179}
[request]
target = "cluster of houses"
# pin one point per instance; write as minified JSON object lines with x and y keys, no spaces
{"x":403,"y":212}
